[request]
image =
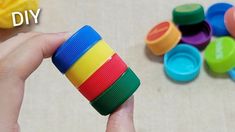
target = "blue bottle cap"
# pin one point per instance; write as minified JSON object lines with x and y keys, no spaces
{"x":215,"y":16}
{"x":73,"y":49}
{"x":183,"y":63}
{"x":232,"y":74}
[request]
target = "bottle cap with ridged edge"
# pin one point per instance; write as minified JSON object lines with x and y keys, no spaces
{"x":215,"y":16}
{"x":89,"y":63}
{"x":220,"y":55}
{"x":188,"y":14}
{"x":198,"y":35}
{"x":183,"y":63}
{"x":117,"y":94}
{"x":232,"y":74}
{"x":103,"y":78}
{"x":230,"y":21}
{"x":163,"y":37}
{"x":74,"y":48}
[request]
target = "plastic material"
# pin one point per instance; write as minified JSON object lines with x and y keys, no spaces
{"x":90,"y":62}
{"x":9,"y":6}
{"x":117,"y":94}
{"x":183,"y":63}
{"x":74,"y":48}
{"x":96,"y":70}
{"x":215,"y":16}
{"x":162,"y":38}
{"x":232,"y":74}
{"x":188,"y":14}
{"x":103,"y":78}
{"x":220,"y":55}
{"x":230,"y":21}
{"x":198,"y":35}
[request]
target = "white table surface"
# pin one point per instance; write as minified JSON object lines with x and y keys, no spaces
{"x":52,"y":104}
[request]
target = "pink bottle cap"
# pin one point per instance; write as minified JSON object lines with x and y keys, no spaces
{"x":230,"y":21}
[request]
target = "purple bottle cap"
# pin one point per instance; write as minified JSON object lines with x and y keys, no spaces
{"x":198,"y":35}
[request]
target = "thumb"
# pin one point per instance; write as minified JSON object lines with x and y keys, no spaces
{"x":122,"y":119}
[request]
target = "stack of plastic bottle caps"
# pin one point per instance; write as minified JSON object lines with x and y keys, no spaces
{"x":191,"y":31}
{"x":96,"y":70}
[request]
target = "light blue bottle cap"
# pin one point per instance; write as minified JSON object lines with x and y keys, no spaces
{"x":183,"y":63}
{"x":215,"y":16}
{"x":232,"y":74}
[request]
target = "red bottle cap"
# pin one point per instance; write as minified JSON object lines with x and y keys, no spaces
{"x":103,"y":78}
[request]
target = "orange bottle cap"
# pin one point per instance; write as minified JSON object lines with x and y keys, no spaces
{"x":163,"y":37}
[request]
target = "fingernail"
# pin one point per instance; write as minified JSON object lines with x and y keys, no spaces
{"x":66,"y":35}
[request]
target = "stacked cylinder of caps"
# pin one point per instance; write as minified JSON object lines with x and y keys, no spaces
{"x":96,"y":70}
{"x":191,"y":31}
{"x":9,"y":6}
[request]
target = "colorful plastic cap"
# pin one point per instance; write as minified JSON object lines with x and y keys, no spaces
{"x":220,"y":55}
{"x":89,"y":63}
{"x":230,"y":21}
{"x":183,"y":63}
{"x":232,"y":74}
{"x":103,"y":78}
{"x":188,"y":14}
{"x":74,"y":48}
{"x":162,"y":38}
{"x":198,"y":35}
{"x":117,"y":94}
{"x":215,"y":16}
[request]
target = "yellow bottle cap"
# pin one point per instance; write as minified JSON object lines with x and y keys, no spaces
{"x":9,"y":6}
{"x":89,"y":63}
{"x":163,"y":37}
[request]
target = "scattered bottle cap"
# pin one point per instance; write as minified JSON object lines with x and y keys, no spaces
{"x":183,"y":63}
{"x":215,"y":16}
{"x":163,"y":37}
{"x":188,"y":14}
{"x":230,"y":21}
{"x":232,"y":74}
{"x":198,"y":35}
{"x":220,"y":55}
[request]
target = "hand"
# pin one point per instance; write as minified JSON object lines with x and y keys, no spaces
{"x":19,"y":57}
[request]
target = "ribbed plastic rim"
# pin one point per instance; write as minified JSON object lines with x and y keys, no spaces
{"x":103,"y":78}
{"x":189,"y":18}
{"x":117,"y":94}
{"x":74,"y":48}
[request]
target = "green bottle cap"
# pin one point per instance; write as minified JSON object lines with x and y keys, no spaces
{"x":117,"y":94}
{"x":188,"y":14}
{"x":220,"y":55}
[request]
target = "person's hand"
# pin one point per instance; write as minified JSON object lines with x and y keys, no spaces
{"x":19,"y":57}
